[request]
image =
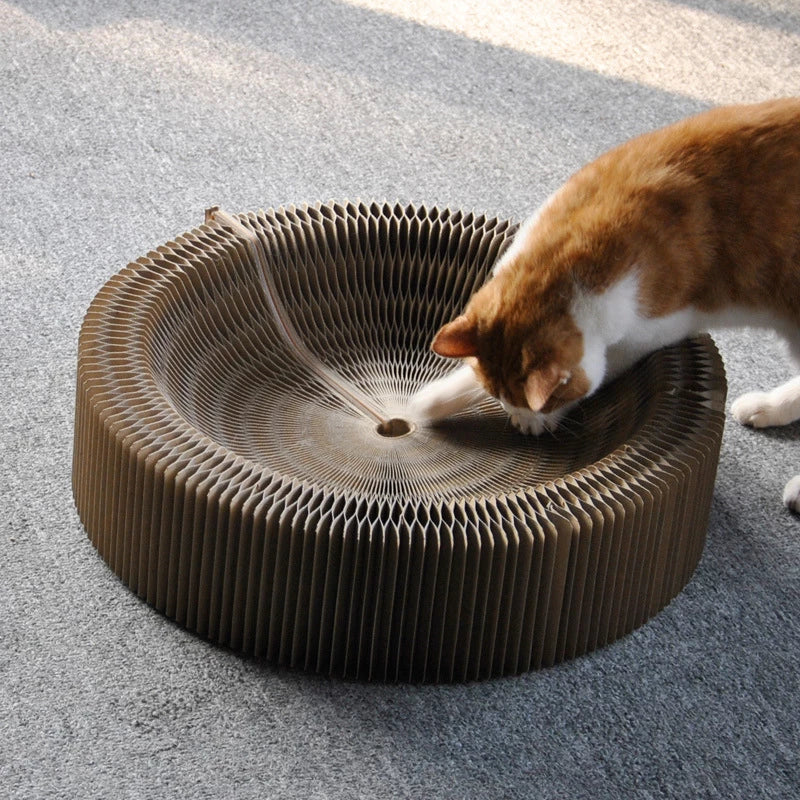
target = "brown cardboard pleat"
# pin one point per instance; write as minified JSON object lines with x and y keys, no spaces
{"x":229,"y":468}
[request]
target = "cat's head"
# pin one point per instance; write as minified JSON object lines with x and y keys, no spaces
{"x":525,"y":347}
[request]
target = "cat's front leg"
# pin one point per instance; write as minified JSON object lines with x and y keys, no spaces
{"x":767,"y":409}
{"x":446,"y":396}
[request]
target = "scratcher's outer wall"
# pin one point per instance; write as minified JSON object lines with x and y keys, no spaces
{"x":371,"y":586}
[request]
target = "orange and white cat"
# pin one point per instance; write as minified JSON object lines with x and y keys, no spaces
{"x":686,"y":228}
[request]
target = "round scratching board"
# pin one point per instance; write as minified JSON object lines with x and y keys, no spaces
{"x":244,"y":462}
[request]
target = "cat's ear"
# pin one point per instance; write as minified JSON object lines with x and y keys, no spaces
{"x":457,"y":339}
{"x":541,"y":383}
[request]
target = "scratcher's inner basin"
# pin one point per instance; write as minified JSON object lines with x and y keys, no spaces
{"x":368,"y":313}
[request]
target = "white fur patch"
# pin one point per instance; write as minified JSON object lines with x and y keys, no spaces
{"x":607,"y":320}
{"x":613,"y":322}
{"x":446,"y":396}
{"x":780,"y":406}
{"x":527,"y":421}
{"x":791,"y":494}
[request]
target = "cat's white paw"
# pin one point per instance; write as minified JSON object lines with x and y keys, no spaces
{"x":527,"y":423}
{"x":759,"y":410}
{"x":446,"y":396}
{"x":429,"y":404}
{"x":532,"y":422}
{"x":791,"y":494}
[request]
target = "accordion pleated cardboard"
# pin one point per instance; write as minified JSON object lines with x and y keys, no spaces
{"x":229,"y":463}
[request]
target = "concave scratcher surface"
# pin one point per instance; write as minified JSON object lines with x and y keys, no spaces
{"x":243,"y":463}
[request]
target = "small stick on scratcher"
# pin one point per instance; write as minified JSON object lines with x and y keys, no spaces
{"x":342,"y":388}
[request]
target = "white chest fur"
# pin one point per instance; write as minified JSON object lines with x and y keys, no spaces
{"x":617,"y":334}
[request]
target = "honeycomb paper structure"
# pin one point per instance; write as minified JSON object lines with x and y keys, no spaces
{"x":235,"y":465}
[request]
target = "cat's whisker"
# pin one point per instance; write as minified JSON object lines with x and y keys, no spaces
{"x":570,"y":426}
{"x":475,"y":394}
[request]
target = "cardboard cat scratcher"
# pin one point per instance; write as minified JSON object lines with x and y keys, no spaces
{"x":242,"y":461}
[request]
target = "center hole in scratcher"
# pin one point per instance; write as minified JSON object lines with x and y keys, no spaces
{"x":394,"y":427}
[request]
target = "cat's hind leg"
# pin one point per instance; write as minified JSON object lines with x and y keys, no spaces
{"x":780,"y":406}
{"x":791,"y":494}
{"x":765,"y":409}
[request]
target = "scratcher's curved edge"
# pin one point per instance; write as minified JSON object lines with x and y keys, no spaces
{"x":204,"y":556}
